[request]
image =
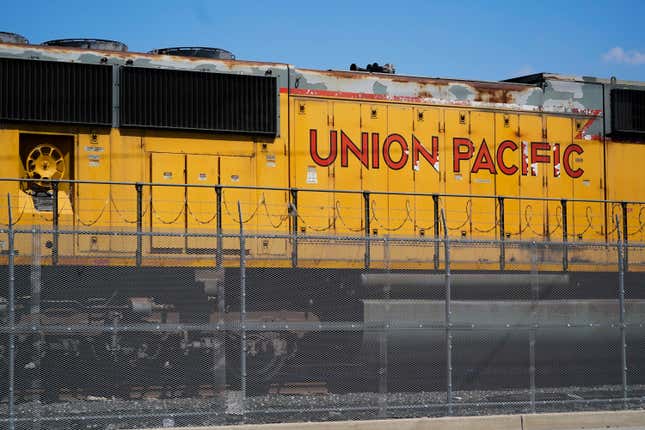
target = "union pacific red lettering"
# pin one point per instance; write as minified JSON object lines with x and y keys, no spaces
{"x":458,"y":154}
{"x":507,"y":170}
{"x":346,"y":145}
{"x":525,"y":158}
{"x":418,"y":148}
{"x":395,"y":138}
{"x":483,"y":160}
{"x":574,"y":173}
{"x":313,"y":148}
{"x":375,"y":146}
{"x":536,"y":157}
{"x":556,"y":160}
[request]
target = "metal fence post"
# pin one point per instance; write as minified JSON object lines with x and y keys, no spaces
{"x":383,"y":338}
{"x":220,"y":239}
{"x":621,"y":299}
{"x":435,"y":204}
{"x":623,"y":206}
{"x":502,"y":235}
{"x":294,"y":227}
{"x":242,"y":309}
{"x":368,"y":257}
{"x":565,"y":236}
{"x":55,"y":223}
{"x":535,"y":296}
{"x":139,"y":188}
{"x":448,"y":314}
{"x":11,"y":320}
{"x":38,"y":337}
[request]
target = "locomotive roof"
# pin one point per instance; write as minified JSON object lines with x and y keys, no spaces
{"x":538,"y":92}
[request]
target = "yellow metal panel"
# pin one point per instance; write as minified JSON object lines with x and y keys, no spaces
{"x":93,"y":201}
{"x":532,"y":212}
{"x":507,"y":182}
{"x":168,"y":207}
{"x":588,"y":218}
{"x":456,"y":127}
{"x":349,"y":169}
{"x":483,"y":173}
{"x":626,"y":182}
{"x":126,"y":164}
{"x":427,"y":177}
{"x":238,"y":171}
{"x":559,"y":131}
{"x":315,"y":210}
{"x":400,"y":179}
{"x":194,"y":143}
{"x":11,"y":168}
{"x":201,"y":203}
{"x":374,"y":120}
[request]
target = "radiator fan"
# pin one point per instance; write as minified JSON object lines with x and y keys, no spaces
{"x":44,"y":162}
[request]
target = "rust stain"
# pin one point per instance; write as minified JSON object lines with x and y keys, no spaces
{"x":139,"y":55}
{"x":494,"y":96}
{"x":478,"y":86}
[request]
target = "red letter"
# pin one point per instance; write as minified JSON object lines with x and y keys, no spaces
{"x":417,"y":148}
{"x":556,"y":160}
{"x":567,"y":165}
{"x":346,"y":143}
{"x":507,"y":170}
{"x":313,"y":148}
{"x":375,"y":156}
{"x":483,"y":160}
{"x":538,"y":158}
{"x":392,"y":138}
{"x":525,"y":158}
{"x":457,"y":155}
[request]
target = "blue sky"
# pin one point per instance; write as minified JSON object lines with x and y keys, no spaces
{"x":458,"y":39}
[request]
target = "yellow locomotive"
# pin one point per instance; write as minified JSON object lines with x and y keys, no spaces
{"x":133,"y":166}
{"x":75,"y":114}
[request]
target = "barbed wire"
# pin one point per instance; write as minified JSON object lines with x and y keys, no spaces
{"x":283,"y":218}
{"x":17,"y":220}
{"x":193,"y":216}
{"x":91,"y":223}
{"x":123,"y":218}
{"x":156,"y":215}
{"x":232,"y":216}
{"x":640,"y":221}
{"x":400,"y":226}
{"x":340,"y":217}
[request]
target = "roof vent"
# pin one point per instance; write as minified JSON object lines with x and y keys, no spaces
{"x":13,"y":38}
{"x":99,"y":44}
{"x":374,"y":68}
{"x":196,"y":51}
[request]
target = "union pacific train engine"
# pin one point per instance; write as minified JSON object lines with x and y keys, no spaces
{"x":130,"y":176}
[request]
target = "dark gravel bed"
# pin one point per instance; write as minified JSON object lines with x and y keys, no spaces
{"x":112,"y":414}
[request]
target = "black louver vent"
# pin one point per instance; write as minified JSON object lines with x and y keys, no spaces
{"x":628,"y":112}
{"x":47,"y":91}
{"x":198,"y":101}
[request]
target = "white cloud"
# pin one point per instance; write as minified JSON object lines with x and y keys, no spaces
{"x":619,"y":55}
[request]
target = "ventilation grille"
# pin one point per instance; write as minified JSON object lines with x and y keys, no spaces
{"x":628,"y":112}
{"x":46,"y":91}
{"x":153,"y":98}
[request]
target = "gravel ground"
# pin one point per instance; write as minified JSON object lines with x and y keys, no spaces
{"x":112,"y":414}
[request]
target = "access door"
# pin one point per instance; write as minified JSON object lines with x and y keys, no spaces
{"x":167,"y":202}
{"x":192,"y":208}
{"x":201,"y":201}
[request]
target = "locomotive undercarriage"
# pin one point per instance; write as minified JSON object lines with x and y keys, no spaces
{"x":112,"y":332}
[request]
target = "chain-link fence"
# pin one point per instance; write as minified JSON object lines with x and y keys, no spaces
{"x":173,"y":326}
